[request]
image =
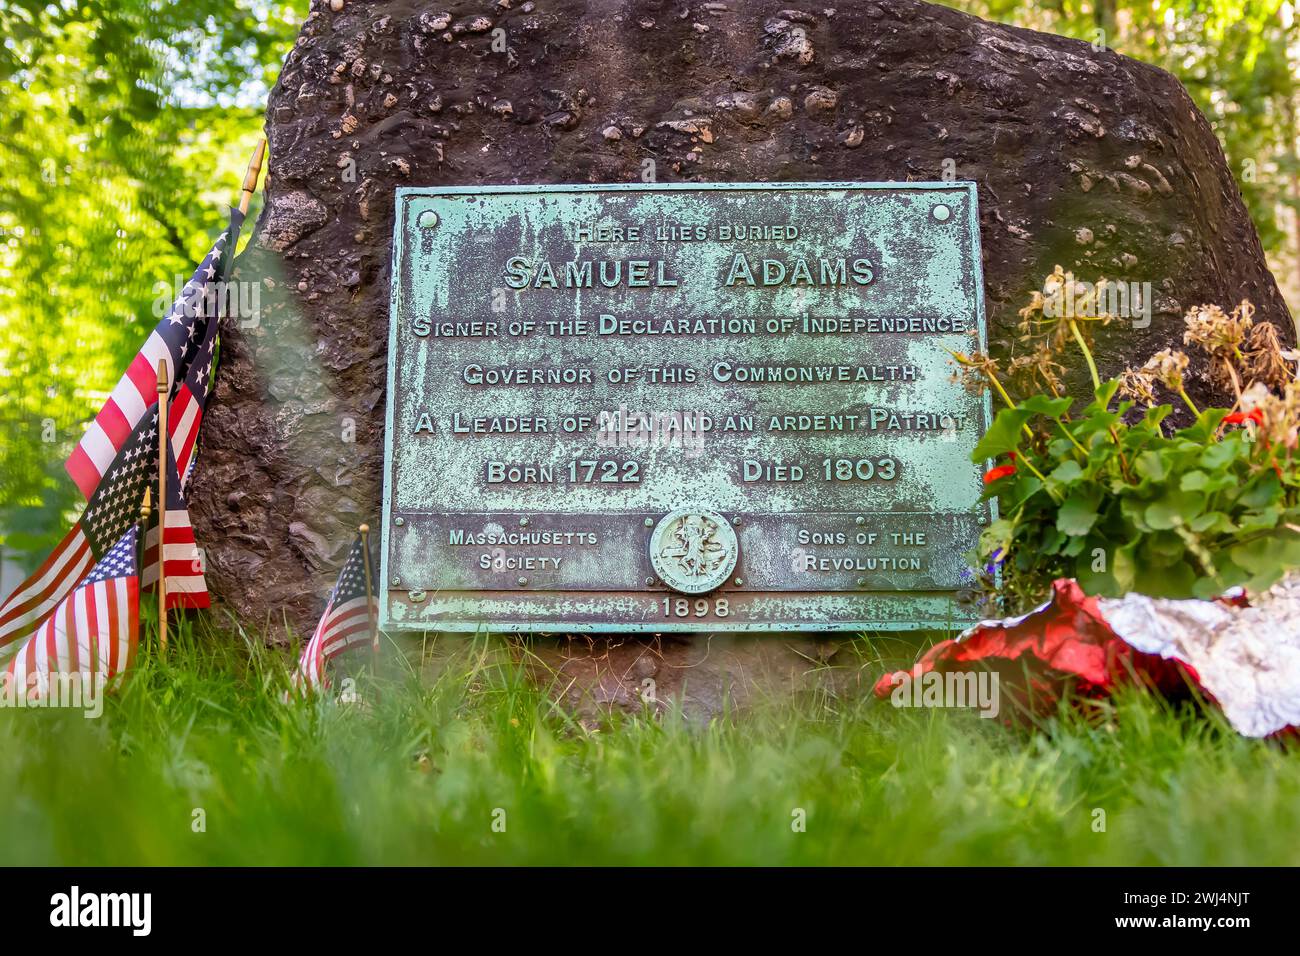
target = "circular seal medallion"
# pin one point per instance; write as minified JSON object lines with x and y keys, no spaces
{"x":693,"y":550}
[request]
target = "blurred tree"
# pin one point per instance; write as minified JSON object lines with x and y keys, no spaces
{"x":1237,"y":58}
{"x":124,"y":130}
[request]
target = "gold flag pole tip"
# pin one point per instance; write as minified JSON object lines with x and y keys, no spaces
{"x":251,"y":176}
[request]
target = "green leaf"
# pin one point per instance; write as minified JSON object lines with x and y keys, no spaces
{"x":1212,"y":522}
{"x":1173,"y":581}
{"x":1078,"y":514}
{"x":1151,"y":465}
{"x":1060,"y":448}
{"x":1155,"y":415}
{"x":1221,"y":454}
{"x":1106,"y":391}
{"x":1202,"y":431}
{"x":1003,"y":436}
{"x":1198,"y":480}
{"x":1207,"y":589}
{"x":1174,"y":508}
{"x":1264,"y":491}
{"x":1277,"y":552}
{"x":1053,"y":408}
{"x":1067,"y":472}
{"x":1163,"y":548}
{"x":1106,"y":570}
{"x":1125,"y":566}
{"x":1261,"y":520}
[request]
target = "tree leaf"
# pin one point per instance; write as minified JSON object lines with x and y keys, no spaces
{"x":1078,"y":513}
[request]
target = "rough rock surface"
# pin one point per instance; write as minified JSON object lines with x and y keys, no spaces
{"x":1083,"y":158}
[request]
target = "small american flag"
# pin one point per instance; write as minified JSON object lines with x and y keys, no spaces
{"x":186,"y":585}
{"x":345,"y":623}
{"x":114,"y":507}
{"x":185,"y":413}
{"x":173,"y":340}
{"x":93,"y":631}
{"x":115,"y":459}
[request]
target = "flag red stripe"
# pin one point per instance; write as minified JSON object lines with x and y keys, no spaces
{"x":133,"y":621}
{"x":344,"y":619}
{"x":71,"y":654}
{"x":92,"y":625}
{"x":63,"y":643}
{"x":35,"y":597}
{"x":182,"y":426}
{"x":339,"y":640}
{"x":186,"y":585}
{"x":110,"y":654}
{"x":82,"y":471}
{"x":72,"y":546}
{"x":144,"y":376}
{"x":187,"y":599}
{"x":114,"y":423}
{"x":58,"y":622}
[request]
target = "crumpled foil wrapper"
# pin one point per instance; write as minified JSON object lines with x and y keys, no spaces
{"x":1246,"y":657}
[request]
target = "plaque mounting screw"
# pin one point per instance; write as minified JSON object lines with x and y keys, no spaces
{"x":649,"y":582}
{"x":523,"y":521}
{"x":941,"y":213}
{"x":649,"y":522}
{"x":523,"y":581}
{"x":428,"y":219}
{"x":735,"y":519}
{"x":397,"y":582}
{"x":982,"y":519}
{"x":862,"y":582}
{"x":399,"y":521}
{"x":739,"y":582}
{"x":859,"y":520}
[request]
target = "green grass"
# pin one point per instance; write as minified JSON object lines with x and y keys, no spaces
{"x":414,"y":776}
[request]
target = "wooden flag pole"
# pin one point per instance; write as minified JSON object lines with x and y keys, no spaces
{"x":250,"y":177}
{"x":140,"y":557}
{"x":164,"y":386}
{"x":370,"y":600}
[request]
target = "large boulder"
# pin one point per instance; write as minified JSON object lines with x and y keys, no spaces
{"x":1083,"y":158}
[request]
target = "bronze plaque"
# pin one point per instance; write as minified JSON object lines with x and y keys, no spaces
{"x":682,"y":407}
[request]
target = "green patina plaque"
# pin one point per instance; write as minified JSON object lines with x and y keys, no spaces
{"x":682,"y":407}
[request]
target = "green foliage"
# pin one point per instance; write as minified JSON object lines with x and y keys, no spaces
{"x":412,"y":773}
{"x":1122,"y":506}
{"x":125,"y":127}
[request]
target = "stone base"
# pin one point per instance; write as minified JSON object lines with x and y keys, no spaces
{"x":706,"y":675}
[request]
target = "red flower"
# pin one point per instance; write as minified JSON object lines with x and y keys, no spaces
{"x":1240,"y":418}
{"x":993,"y":474}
